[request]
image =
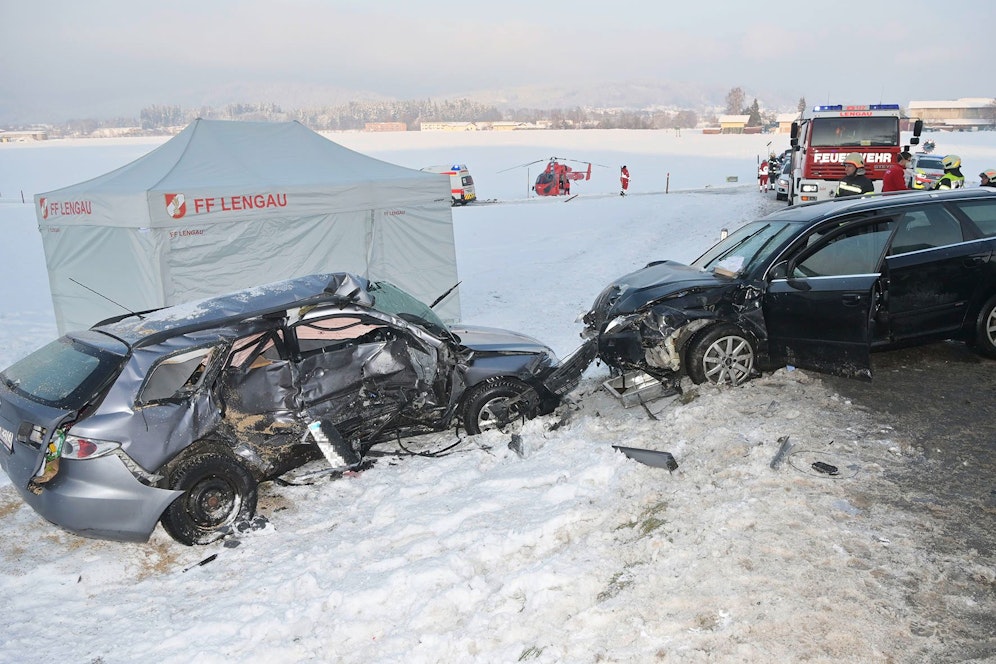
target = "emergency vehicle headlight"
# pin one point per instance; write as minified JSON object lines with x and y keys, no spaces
{"x":809,"y":188}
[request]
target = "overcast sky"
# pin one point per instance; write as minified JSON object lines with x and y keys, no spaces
{"x":65,"y":58}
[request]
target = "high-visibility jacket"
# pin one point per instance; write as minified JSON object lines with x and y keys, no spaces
{"x":854,"y":185}
{"x":950,"y":181}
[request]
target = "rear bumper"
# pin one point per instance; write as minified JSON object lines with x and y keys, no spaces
{"x":94,"y":498}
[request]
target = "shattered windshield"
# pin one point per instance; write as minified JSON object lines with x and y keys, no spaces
{"x":746,"y":247}
{"x":390,"y":299}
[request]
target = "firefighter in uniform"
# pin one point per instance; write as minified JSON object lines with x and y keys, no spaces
{"x":952,"y":178}
{"x":895,"y":178}
{"x":988,"y":178}
{"x":854,"y":182}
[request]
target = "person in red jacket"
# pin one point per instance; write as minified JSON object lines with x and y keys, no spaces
{"x":895,"y":178}
{"x":623,"y":180}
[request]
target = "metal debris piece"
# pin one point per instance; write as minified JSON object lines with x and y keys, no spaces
{"x":783,"y":451}
{"x":649,"y":457}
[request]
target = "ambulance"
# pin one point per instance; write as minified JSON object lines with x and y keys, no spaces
{"x":461,"y":182}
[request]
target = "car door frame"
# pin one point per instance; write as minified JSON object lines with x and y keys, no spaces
{"x":825,"y":323}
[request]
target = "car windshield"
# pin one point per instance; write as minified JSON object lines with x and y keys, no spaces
{"x":933,"y":163}
{"x":746,"y":247}
{"x":390,"y":299}
{"x":855,"y":132}
{"x":65,"y":373}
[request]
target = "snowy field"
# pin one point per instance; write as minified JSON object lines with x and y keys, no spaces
{"x":568,"y":553}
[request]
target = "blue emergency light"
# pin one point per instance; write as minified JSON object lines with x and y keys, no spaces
{"x":873,"y":107}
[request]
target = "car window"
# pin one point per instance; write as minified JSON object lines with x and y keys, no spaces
{"x":856,"y":250}
{"x":933,"y":163}
{"x":177,"y":375}
{"x":746,"y":246}
{"x":925,"y":228}
{"x":256,"y":350}
{"x":982,"y":213}
{"x":328,"y":333}
{"x":64,"y":373}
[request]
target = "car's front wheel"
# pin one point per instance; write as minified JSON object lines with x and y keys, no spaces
{"x":722,"y":354}
{"x":985,"y":329}
{"x":498,"y":403}
{"x":217,"y":492}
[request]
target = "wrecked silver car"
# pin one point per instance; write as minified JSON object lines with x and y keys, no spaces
{"x":176,"y":415}
{"x":818,"y":286}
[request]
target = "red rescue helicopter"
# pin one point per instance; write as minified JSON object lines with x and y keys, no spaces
{"x":555,"y":180}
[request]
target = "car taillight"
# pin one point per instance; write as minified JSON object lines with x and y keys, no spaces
{"x":87,"y":448}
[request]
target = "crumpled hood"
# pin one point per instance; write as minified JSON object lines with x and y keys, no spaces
{"x":495,"y":340}
{"x":632,"y":291}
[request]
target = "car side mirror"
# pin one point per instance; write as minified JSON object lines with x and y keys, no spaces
{"x":799,"y":284}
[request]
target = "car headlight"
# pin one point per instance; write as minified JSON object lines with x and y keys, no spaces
{"x":782,"y":182}
{"x":809,"y":188}
{"x":617,"y":324}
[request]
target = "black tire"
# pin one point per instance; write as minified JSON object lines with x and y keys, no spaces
{"x":985,"y":329}
{"x":498,"y":403}
{"x":218,"y":491}
{"x":721,"y":354}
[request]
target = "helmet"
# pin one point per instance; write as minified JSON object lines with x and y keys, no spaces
{"x":951,"y":161}
{"x":989,"y":173}
{"x":855,"y":160}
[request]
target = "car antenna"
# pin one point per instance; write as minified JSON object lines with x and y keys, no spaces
{"x":440,"y":298}
{"x":133,"y":313}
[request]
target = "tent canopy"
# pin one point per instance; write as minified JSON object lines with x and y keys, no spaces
{"x":224,"y":206}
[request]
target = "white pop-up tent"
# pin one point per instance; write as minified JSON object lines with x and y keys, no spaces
{"x":225,"y":205}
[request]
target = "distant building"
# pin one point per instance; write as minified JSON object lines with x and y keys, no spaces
{"x":965,"y":114}
{"x":733,"y":124}
{"x":455,"y":126}
{"x":785,"y":121}
{"x":385,"y":126}
{"x":23,"y":135}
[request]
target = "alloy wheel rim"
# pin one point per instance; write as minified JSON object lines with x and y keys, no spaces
{"x":728,"y":360}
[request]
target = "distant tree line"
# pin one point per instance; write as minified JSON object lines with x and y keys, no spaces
{"x":157,"y":119}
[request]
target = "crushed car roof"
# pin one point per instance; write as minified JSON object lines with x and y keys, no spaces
{"x":139,"y":329}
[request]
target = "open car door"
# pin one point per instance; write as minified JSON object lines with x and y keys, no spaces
{"x":821,"y":304}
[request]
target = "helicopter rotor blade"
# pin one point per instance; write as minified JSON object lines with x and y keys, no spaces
{"x":521,"y":165}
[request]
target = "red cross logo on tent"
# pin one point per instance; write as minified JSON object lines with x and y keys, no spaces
{"x":43,"y":203}
{"x":176,"y":206}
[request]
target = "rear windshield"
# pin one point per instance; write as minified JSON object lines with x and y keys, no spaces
{"x":66,"y":373}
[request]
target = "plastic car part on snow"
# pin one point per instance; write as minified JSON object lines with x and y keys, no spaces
{"x":218,"y":491}
{"x":499,"y":403}
{"x":722,"y":355}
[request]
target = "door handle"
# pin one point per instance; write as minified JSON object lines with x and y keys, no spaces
{"x":851,"y":299}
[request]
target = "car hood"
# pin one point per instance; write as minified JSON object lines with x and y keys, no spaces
{"x":658,"y":280}
{"x":495,"y":340}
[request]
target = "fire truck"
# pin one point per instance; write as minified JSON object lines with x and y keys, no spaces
{"x":824,"y":137}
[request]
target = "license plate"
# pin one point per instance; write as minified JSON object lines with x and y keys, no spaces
{"x":8,"y":439}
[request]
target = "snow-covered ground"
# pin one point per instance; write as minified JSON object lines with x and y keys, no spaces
{"x":570,"y":552}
